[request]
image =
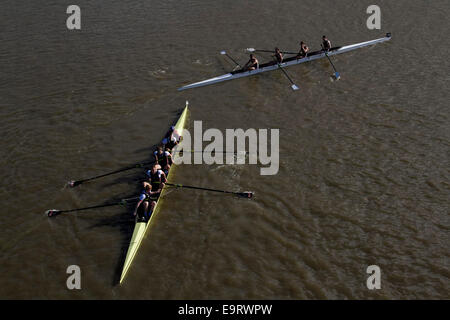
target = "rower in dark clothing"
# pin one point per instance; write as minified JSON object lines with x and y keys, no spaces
{"x":303,"y":50}
{"x":326,"y":44}
{"x":147,"y":201}
{"x":252,"y":64}
{"x":278,"y":55}
{"x":156,"y":176}
{"x":171,"y":139}
{"x":163,"y":158}
{"x":169,"y":133}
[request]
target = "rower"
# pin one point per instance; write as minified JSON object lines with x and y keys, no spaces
{"x":169,"y":133}
{"x":147,"y":199}
{"x":156,"y":176}
{"x":278,"y":55}
{"x":326,"y":44}
{"x":163,"y":158}
{"x":304,"y":49}
{"x":252,"y":64}
{"x":171,"y":140}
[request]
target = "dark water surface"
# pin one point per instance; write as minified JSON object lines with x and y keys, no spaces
{"x":364,"y":162}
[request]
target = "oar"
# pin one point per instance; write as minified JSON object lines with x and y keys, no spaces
{"x":246,"y":194}
{"x":215,"y":151}
{"x":55,"y":212}
{"x":226,"y":54}
{"x":336,"y":73}
{"x":294,"y":86}
{"x":73,"y":183}
{"x":272,"y":51}
{"x":138,"y":165}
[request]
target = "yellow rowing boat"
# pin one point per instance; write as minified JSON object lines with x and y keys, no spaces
{"x":141,"y":228}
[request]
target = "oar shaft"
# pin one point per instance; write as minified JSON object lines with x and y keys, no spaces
{"x":232,"y":60}
{"x":88,"y":208}
{"x":272,"y":51}
{"x":199,"y":188}
{"x":138,"y":165}
{"x":331,"y":62}
{"x":213,"y":151}
{"x":122,"y":202}
{"x":284,"y":71}
{"x":328,"y":57}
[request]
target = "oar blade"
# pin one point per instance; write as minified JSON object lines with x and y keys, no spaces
{"x":335,"y":77}
{"x":294,"y":87}
{"x":246,"y":194}
{"x":73,"y":183}
{"x":223,"y":52}
{"x":52,"y":212}
{"x":250,"y":49}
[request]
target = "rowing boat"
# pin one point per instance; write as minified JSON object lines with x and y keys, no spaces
{"x":286,"y":62}
{"x":141,"y":227}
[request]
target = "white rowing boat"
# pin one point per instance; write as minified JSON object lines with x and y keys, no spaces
{"x":286,"y":63}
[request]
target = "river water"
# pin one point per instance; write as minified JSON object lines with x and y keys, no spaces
{"x":364,"y":161}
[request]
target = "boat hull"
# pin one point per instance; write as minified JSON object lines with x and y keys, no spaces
{"x":141,"y":228}
{"x":288,"y":62}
